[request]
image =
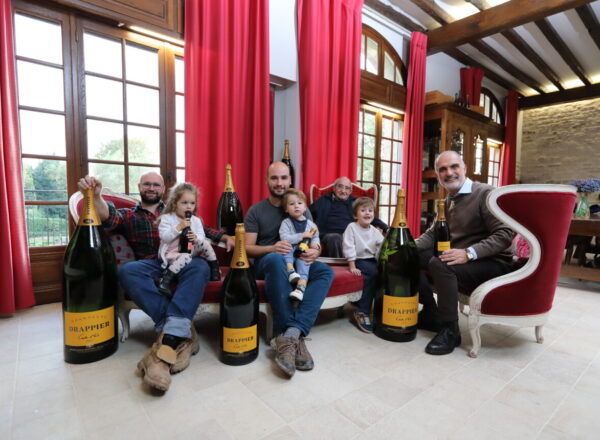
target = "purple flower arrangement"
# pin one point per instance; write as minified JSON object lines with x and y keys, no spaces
{"x":586,"y":185}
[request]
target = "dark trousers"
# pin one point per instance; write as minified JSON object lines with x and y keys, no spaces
{"x":368,"y":268}
{"x":449,"y":280}
{"x":332,"y":245}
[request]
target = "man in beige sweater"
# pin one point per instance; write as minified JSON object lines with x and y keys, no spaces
{"x":480,"y":250}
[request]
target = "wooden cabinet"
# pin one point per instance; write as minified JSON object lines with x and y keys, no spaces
{"x":450,"y":127}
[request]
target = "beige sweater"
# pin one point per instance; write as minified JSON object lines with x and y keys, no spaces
{"x":473,"y":225}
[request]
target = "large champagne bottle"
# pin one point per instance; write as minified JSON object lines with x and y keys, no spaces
{"x":304,"y":244}
{"x":441,"y":230}
{"x":89,"y":290}
{"x":185,"y":245}
{"x":396,"y":299}
{"x":288,"y":161}
{"x":239,"y":308}
{"x":229,"y":212}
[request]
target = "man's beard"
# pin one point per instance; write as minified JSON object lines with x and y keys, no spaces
{"x":150,"y":200}
{"x":274,"y":194}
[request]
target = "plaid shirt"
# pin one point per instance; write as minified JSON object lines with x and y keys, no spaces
{"x":138,"y":225}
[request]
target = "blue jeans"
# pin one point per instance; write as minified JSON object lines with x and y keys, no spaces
{"x":299,"y":264}
{"x":368,"y":267}
{"x":272,"y":268}
{"x":172,"y":316}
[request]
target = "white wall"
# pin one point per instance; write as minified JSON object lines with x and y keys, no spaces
{"x":443,"y":74}
{"x":395,"y":35}
{"x":282,"y":39}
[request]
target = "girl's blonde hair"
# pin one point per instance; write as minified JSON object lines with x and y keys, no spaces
{"x":175,"y":194}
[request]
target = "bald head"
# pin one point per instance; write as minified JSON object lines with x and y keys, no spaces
{"x":151,"y":187}
{"x":151,"y":176}
{"x":342,"y":188}
{"x":278,"y":180}
{"x":451,"y":171}
{"x":449,"y":153}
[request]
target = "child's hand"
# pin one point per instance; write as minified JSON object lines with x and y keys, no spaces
{"x":307,"y":234}
{"x":356,"y":272}
{"x":191,"y":236}
{"x":185,"y":223}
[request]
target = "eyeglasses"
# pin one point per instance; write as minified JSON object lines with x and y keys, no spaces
{"x":340,"y":186}
{"x":151,"y":185}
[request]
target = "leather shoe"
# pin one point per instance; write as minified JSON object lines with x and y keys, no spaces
{"x":155,"y":366}
{"x":446,"y":340}
{"x":428,"y":320}
{"x":304,"y":361}
{"x":285,"y":356}
{"x":185,"y":350}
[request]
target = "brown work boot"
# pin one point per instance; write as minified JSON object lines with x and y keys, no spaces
{"x":185,"y":350}
{"x":155,"y":366}
{"x":285,"y":356}
{"x":304,"y":361}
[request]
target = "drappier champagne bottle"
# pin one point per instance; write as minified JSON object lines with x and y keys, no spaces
{"x":229,"y":211}
{"x":239,"y":307}
{"x":288,"y":161}
{"x":89,"y":290}
{"x":441,"y":230}
{"x":185,"y":245}
{"x":396,"y":299}
{"x":304,"y":244}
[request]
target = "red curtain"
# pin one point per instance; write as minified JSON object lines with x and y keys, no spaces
{"x":227,"y":101}
{"x":508,"y":163}
{"x":412,"y":155}
{"x":16,"y":290}
{"x":470,"y":84}
{"x":329,"y":79}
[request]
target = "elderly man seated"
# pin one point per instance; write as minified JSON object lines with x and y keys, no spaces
{"x":332,"y":212}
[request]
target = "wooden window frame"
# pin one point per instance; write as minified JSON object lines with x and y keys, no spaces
{"x":494,"y":101}
{"x":383,"y":46}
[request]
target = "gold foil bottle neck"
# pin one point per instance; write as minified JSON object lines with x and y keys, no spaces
{"x":286,"y":149}
{"x":89,"y":216}
{"x":441,"y":210}
{"x":400,"y":215}
{"x":228,"y":180}
{"x":239,"y":260}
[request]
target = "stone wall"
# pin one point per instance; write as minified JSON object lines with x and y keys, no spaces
{"x":560,"y":143}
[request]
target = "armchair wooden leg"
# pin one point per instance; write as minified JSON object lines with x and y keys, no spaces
{"x":475,"y":336}
{"x":538,"y":334}
{"x":124,"y":318}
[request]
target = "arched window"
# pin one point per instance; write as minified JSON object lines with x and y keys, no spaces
{"x":491,"y":106}
{"x":381,"y":119}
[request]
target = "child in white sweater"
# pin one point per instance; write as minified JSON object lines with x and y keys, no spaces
{"x":361,"y":245}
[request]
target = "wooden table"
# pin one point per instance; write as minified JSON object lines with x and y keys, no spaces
{"x":586,"y":228}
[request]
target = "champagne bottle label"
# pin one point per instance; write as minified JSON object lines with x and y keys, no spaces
{"x":89,"y":216}
{"x":443,"y":246}
{"x":89,"y":328}
{"x":240,"y":340}
{"x":400,"y":311}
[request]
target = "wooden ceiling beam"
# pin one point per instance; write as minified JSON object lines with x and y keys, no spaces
{"x":569,"y":95}
{"x":434,"y":11}
{"x":395,"y":16}
{"x":463,"y":58}
{"x":491,"y":21}
{"x":495,"y":56}
{"x":564,"y":51}
{"x":528,"y":52}
{"x":586,"y":13}
{"x":480,"y":4}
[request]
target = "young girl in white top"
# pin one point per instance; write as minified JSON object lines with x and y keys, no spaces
{"x":361,"y":245}
{"x":173,"y":220}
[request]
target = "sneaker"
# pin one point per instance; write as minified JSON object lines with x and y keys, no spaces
{"x":185,"y":351}
{"x":304,"y":361}
{"x":155,"y":366}
{"x":285,"y":356}
{"x":363,"y":321}
{"x":293,"y":277}
{"x":297,"y":295}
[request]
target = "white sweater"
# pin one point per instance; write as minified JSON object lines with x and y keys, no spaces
{"x":169,"y":235}
{"x":361,"y":242}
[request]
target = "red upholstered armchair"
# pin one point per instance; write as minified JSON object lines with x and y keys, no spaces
{"x":357,"y":191}
{"x":542,"y":215}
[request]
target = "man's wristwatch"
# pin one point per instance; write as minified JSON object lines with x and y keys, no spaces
{"x":470,"y":255}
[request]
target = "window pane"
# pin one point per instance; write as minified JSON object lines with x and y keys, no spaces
{"x":493,"y":112}
{"x":398,"y":127}
{"x":179,"y":75}
{"x":40,"y":86}
{"x":141,"y":64}
{"x":385,"y":172}
{"x":45,"y":179}
{"x":104,"y":97}
{"x":368,"y":170}
{"x":38,"y":39}
{"x":102,"y":55}
{"x":180,"y":175}
{"x":372,"y":55}
{"x":481,"y":100}
{"x":105,"y":140}
{"x":478,"y":155}
{"x":397,"y":151}
{"x":360,"y":142}
{"x":388,"y":66}
{"x":487,"y":106}
{"x":386,"y":149}
{"x":179,"y":113}
{"x":359,"y":170}
{"x":386,"y":127}
{"x":396,"y":173}
{"x":360,"y":120}
{"x":399,"y":79}
{"x":142,"y":105}
{"x":384,"y":195}
{"x":143,"y":144}
{"x":363,"y":55}
{"x":135,"y":173}
{"x":369,"y":123}
{"x":47,"y":225}
{"x":384,"y":214}
{"x":180,"y":149}
{"x":111,"y":176}
{"x":490,"y":169}
{"x":42,"y":133}
{"x":369,"y":146}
